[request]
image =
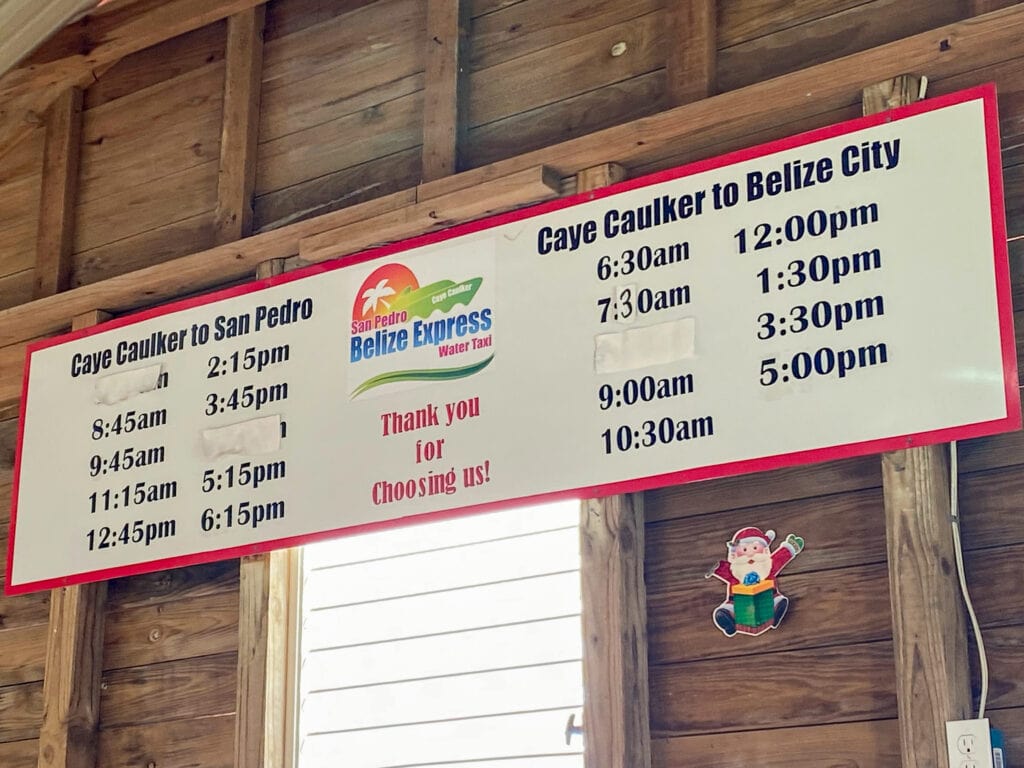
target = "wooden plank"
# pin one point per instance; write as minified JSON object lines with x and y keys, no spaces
{"x":262,"y":660}
{"x":813,"y":686}
{"x":988,"y":573}
{"x":842,"y":527}
{"x":566,"y":69}
{"x":929,"y":631}
{"x":381,"y":129}
{"x":872,"y":743}
{"x":447,"y":27}
{"x":296,"y":15}
{"x":521,"y":189}
{"x":144,"y":207}
{"x":24,"y":656}
{"x":171,"y":587}
{"x":165,"y":129}
{"x":1005,"y":649}
{"x":19,"y":754}
{"x":576,"y":116}
{"x":21,"y":712}
{"x":692,"y":50}
{"x":74,"y":659}
{"x":533,"y":25}
{"x":858,"y":28}
{"x":203,"y":742}
{"x":989,"y":502}
{"x":837,"y":607}
{"x":19,"y":212}
{"x":616,"y":705}
{"x":236,"y":177}
{"x":17,"y":288}
{"x":686,"y":131}
{"x":199,"y":625}
{"x":337,"y":190}
{"x":59,"y":185}
{"x":742,"y":20}
{"x":60,"y":64}
{"x":27,"y":23}
{"x":164,"y":61}
{"x":174,"y":690}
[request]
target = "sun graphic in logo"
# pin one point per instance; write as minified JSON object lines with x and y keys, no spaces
{"x":380,"y":289}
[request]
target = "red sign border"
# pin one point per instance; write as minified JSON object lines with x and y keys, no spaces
{"x":1012,"y":421}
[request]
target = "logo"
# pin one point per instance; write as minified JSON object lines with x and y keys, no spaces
{"x":395,"y":318}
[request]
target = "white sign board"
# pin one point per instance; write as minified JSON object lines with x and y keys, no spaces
{"x":841,"y":292}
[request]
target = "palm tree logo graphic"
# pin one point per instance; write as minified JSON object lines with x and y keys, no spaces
{"x":377,"y":294}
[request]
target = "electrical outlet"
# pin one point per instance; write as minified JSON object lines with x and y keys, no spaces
{"x":969,"y":744}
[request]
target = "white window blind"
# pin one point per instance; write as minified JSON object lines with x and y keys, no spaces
{"x":454,"y":643}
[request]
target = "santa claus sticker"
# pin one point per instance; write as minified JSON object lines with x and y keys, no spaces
{"x":753,"y":603}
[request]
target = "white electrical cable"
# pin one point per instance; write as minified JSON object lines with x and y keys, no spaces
{"x":954,"y":505}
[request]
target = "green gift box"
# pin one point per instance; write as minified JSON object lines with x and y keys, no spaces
{"x":754,"y":604}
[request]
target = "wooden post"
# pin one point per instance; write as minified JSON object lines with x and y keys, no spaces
{"x":443,"y":80}
{"x":260,"y":720}
{"x":616,"y":715}
{"x":59,"y":184}
{"x":74,"y":661}
{"x":236,"y":177}
{"x":929,"y":631}
{"x":692,"y":50}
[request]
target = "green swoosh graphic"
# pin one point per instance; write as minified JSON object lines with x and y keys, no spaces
{"x":435,"y":374}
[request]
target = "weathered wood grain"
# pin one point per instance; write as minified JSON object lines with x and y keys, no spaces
{"x":58,"y":188}
{"x":236,"y":175}
{"x":27,"y":23}
{"x":174,"y":690}
{"x":762,"y":488}
{"x":614,"y":624}
{"x":21,"y":711}
{"x":444,"y":81}
{"x":381,"y":129}
{"x":814,"y":686}
{"x":26,"y":159}
{"x":565,"y":119}
{"x":287,"y":17}
{"x":24,"y":610}
{"x":164,"y":61}
{"x":61,"y":63}
{"x":16,"y":288}
{"x":1005,"y":649}
{"x":869,"y":744}
{"x":989,"y":504}
{"x":929,"y":631}
{"x":196,"y":582}
{"x":192,"y":625}
{"x":838,"y":607}
{"x":147,"y":249}
{"x":692,"y":60}
{"x":841,"y":530}
{"x":989,"y":574}
{"x":742,"y":20}
{"x":566,"y":69}
{"x":532,"y":25}
{"x":167,"y":128}
{"x":19,"y":754}
{"x":857,"y":28}
{"x":24,"y":654}
{"x":203,"y":742}
{"x":19,"y":217}
{"x":432,"y":214}
{"x":349,"y":186}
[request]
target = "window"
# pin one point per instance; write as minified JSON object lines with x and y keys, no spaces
{"x":454,"y":642}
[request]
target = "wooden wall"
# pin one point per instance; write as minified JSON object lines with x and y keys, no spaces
{"x":341,"y":122}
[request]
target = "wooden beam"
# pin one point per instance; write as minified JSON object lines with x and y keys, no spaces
{"x":616,"y":717}
{"x":74,"y":55}
{"x":443,"y":124}
{"x":59,"y":185}
{"x":74,"y":661}
{"x":236,"y":176}
{"x":25,"y":24}
{"x":929,"y":630}
{"x":692,"y":53}
{"x":530,"y":186}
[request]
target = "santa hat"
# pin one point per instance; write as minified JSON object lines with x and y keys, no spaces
{"x":743,"y":534}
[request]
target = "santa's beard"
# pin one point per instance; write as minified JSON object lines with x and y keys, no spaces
{"x":759,"y":563}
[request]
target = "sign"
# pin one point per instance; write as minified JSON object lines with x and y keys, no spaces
{"x":841,"y":292}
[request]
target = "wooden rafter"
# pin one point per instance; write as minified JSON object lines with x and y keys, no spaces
{"x":443,"y":80}
{"x":25,"y":24}
{"x":239,"y":133}
{"x":57,"y":198}
{"x":692,"y":53}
